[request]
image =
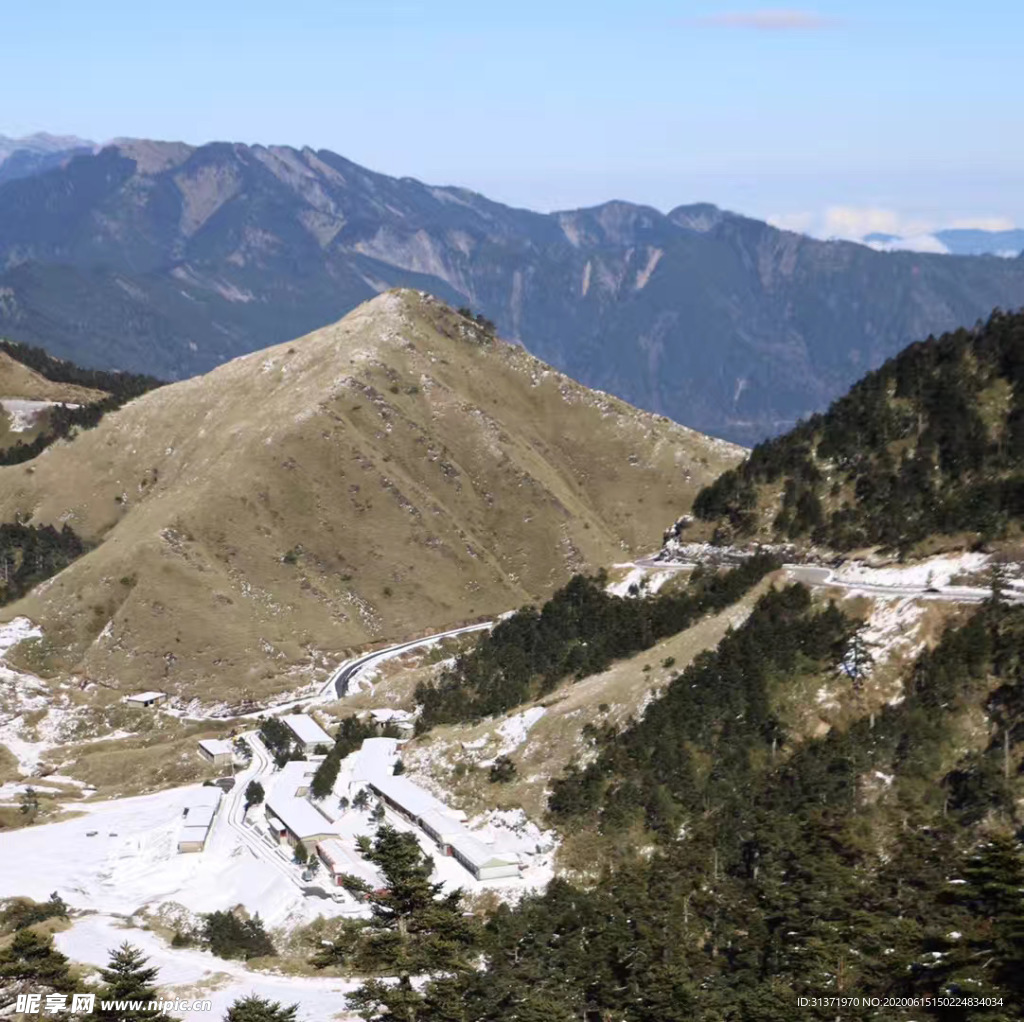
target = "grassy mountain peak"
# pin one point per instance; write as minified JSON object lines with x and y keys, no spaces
{"x":397,"y":472}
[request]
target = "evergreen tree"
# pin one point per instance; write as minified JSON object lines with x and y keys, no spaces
{"x":30,"y":964}
{"x":128,"y":978}
{"x":254,"y":794}
{"x":258,"y":1009}
{"x":415,"y":930}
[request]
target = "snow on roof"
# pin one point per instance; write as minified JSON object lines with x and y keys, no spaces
{"x":145,"y":697}
{"x":306,"y":729}
{"x":193,"y":834}
{"x":412,"y":798}
{"x":296,"y":773}
{"x":299,"y":816}
{"x":199,"y":816}
{"x":384,"y":714}
{"x":441,"y":823}
{"x":207,"y":795}
{"x":478,"y":853}
{"x":217,"y":746}
{"x":343,"y":861}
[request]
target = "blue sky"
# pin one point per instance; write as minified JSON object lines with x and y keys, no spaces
{"x":899,"y":115}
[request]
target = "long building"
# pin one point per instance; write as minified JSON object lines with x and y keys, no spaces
{"x":197,"y":818}
{"x":291,"y":816}
{"x":375,"y":769}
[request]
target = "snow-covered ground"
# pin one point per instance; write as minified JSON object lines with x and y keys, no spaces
{"x":648,"y":580}
{"x":24,"y":413}
{"x":189,"y":973}
{"x":121,"y":856}
{"x":934,"y":571}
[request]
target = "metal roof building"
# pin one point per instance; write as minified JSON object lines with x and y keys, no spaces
{"x":307,"y":731}
{"x":197,"y":818}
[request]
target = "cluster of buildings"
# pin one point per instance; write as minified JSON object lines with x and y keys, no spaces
{"x":444,"y":826}
{"x":294,"y":818}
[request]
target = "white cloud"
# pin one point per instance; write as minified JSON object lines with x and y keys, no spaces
{"x":914,"y":243}
{"x":908,"y":233}
{"x":855,"y":222}
{"x":983,"y":223}
{"x":770,"y":20}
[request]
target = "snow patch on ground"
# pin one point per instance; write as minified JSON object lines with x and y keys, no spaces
{"x":25,"y":414}
{"x":513,"y":732}
{"x":186,"y":972}
{"x":935,"y":571}
{"x":647,"y":581}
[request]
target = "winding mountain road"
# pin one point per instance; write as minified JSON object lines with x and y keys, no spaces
{"x":343,"y":675}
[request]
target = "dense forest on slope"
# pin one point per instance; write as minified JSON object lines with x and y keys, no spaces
{"x":578,"y":632}
{"x":932,"y":442}
{"x":63,"y":418}
{"x":29,"y":554}
{"x":719,"y":711}
{"x":881,"y":861}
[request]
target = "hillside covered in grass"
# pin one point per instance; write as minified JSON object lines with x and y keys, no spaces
{"x":387,"y":476}
{"x":930,"y":443}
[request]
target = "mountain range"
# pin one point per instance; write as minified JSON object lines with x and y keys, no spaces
{"x":34,"y":154}
{"x":171,"y":259}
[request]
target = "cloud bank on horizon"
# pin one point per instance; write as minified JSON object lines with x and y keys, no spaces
{"x":887,"y":230}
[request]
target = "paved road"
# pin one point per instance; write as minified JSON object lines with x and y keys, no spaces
{"x":342,"y":677}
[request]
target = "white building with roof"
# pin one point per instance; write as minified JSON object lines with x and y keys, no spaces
{"x":443,"y":825}
{"x":291,"y":815}
{"x":146,"y":699}
{"x":219,"y":751}
{"x":401,"y":719}
{"x":197,"y":818}
{"x":340,"y":862}
{"x":308,"y":733}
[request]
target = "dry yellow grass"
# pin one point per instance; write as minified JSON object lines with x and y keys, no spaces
{"x":390,"y":475}
{"x":18,"y":381}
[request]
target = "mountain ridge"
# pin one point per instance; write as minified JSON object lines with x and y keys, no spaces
{"x":170,"y":259}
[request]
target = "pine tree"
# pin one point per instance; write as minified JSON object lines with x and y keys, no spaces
{"x":415,"y":931}
{"x":259,"y":1009}
{"x":128,"y":978}
{"x":31,"y":964}
{"x":254,"y":794}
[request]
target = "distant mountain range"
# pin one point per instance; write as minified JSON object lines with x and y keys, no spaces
{"x":170,"y":259}
{"x":33,"y":154}
{"x":960,"y":241}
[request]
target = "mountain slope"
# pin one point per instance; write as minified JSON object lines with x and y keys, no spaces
{"x":930,"y":444}
{"x":397,"y":472}
{"x":171,"y":259}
